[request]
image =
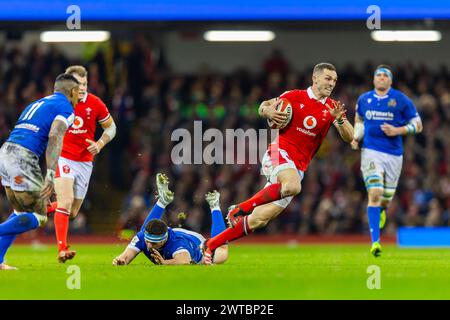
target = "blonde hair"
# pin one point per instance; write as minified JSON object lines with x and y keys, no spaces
{"x":79,"y":70}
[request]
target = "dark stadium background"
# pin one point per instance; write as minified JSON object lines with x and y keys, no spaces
{"x":157,"y":76}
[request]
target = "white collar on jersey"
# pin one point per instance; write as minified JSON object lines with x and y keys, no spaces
{"x":382,"y":97}
{"x":84,"y":98}
{"x":311,"y":95}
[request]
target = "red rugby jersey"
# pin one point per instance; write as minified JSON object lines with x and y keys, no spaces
{"x":310,"y":123}
{"x":88,"y":113}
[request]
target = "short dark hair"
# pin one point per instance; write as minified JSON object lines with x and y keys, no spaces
{"x":385,"y":66}
{"x":156,"y":227}
{"x":322,"y":66}
{"x":65,"y":82}
{"x":66,"y":77}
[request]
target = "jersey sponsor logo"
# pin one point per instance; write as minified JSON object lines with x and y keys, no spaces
{"x":18,"y":179}
{"x":134,"y":241}
{"x":379,"y":115}
{"x":78,"y":122}
{"x":27,"y":126}
{"x":309,"y":122}
{"x":66,"y":169}
{"x":309,"y":133}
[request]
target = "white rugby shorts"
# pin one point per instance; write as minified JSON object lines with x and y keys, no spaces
{"x":19,"y":168}
{"x":79,"y":171}
{"x":381,"y":170}
{"x":272,"y":165}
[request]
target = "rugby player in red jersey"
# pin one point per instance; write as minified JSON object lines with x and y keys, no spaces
{"x":75,"y":163}
{"x":288,"y":157}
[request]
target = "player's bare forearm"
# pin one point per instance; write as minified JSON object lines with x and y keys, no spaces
{"x":104,"y":140}
{"x":109,"y":132}
{"x":345,"y":131}
{"x":125,"y":257}
{"x":175,"y":262}
{"x":263,"y":107}
{"x":55,"y":142}
{"x":411,"y":128}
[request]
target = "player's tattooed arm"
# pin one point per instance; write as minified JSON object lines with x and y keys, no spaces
{"x":54,"y":146}
{"x":341,"y":123}
{"x":267,"y":110}
{"x":109,"y":132}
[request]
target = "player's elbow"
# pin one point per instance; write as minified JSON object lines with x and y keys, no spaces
{"x":262,"y":106}
{"x":419,"y":127}
{"x":111,"y":131}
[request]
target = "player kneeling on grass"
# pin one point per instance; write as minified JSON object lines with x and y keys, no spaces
{"x":164,"y":245}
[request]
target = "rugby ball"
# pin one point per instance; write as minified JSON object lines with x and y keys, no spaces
{"x":285,"y":107}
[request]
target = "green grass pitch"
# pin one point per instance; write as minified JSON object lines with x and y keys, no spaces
{"x":252,"y":272}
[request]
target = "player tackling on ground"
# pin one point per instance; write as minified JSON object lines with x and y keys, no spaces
{"x":164,"y":245}
{"x":75,"y":163}
{"x":383,"y":116}
{"x":288,"y":157}
{"x":40,"y":128}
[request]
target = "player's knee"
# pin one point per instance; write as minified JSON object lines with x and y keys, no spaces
{"x":259,"y":222}
{"x":65,"y":203}
{"x":290,"y":189}
{"x":375,"y":196}
{"x":221,"y":255}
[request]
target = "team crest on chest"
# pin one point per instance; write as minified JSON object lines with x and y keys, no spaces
{"x":88,"y":112}
{"x":392,"y":103}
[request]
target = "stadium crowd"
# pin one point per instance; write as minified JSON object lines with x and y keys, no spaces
{"x":149,"y":101}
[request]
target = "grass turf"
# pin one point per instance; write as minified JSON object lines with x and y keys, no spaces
{"x":252,"y":272}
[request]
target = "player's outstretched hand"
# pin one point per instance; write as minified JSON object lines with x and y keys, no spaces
{"x":94,"y":147}
{"x":118,"y":261}
{"x":271,"y":113}
{"x":354,"y":144}
{"x":389,"y":130}
{"x":156,"y":257}
{"x":338,"y":111}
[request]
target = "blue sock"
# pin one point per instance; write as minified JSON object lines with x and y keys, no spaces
{"x":218,"y":224}
{"x":156,"y":213}
{"x":19,"y":224}
{"x":374,"y":222}
{"x":6,"y":241}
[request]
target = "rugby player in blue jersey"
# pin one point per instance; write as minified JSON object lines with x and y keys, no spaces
{"x":383,"y":116}
{"x":40,"y":129}
{"x":173,"y":246}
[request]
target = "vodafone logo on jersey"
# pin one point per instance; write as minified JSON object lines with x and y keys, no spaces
{"x":309,"y":122}
{"x":78,"y":122}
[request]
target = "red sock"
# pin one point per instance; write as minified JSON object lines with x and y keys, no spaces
{"x":268,"y":194}
{"x":52,"y":207}
{"x":240,"y":230}
{"x":61,"y":221}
